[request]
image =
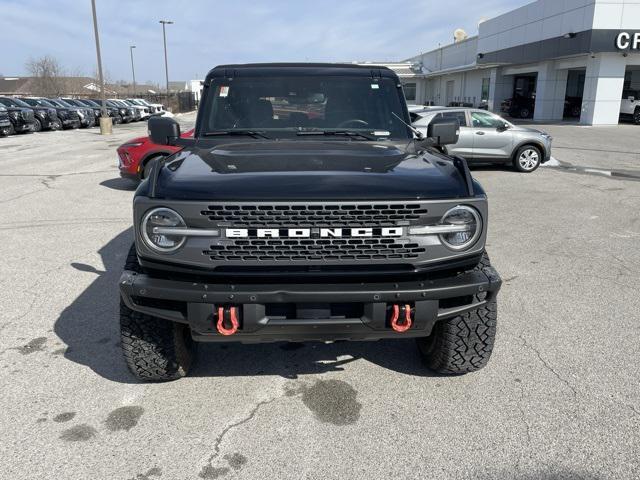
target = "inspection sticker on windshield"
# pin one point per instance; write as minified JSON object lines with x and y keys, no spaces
{"x":375,"y":86}
{"x":224,"y":91}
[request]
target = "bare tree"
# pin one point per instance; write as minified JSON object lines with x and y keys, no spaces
{"x":47,"y":76}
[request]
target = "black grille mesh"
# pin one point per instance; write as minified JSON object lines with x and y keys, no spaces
{"x":325,"y":249}
{"x":273,"y":216}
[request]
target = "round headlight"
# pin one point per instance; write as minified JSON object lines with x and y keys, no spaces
{"x":470,"y":223}
{"x":152,"y":227}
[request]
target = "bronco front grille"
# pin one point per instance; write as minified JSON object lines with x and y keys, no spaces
{"x":303,"y":215}
{"x":317,"y":248}
{"x":326,"y":249}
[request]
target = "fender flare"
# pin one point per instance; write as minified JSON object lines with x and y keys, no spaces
{"x":149,"y":156}
{"x":533,"y":143}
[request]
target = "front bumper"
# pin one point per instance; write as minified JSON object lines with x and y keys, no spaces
{"x":358,"y":311}
{"x":49,"y":122}
{"x":70,"y":123}
{"x":21,"y":126}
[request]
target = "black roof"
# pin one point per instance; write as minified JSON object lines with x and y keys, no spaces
{"x":259,"y":69}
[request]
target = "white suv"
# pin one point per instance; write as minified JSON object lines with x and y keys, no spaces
{"x":630,"y":105}
{"x":155,"y":109}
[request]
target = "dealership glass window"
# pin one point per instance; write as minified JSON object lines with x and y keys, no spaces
{"x":486,"y":120}
{"x":409,"y":91}
{"x":485,"y":89}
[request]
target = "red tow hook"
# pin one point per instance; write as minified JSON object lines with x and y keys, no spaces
{"x":406,"y":324}
{"x":233,"y":318}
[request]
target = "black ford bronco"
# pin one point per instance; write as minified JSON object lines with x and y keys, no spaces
{"x":305,"y":207}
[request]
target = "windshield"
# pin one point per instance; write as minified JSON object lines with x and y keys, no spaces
{"x":57,"y":103}
{"x":63,"y":103}
{"x":6,"y":102}
{"x":34,"y":102}
{"x":20,"y":103}
{"x":299,"y":103}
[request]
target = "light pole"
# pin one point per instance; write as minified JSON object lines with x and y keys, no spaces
{"x":133,"y":70}
{"x":105,"y":120}
{"x":166,"y":65}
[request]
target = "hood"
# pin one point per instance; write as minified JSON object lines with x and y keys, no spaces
{"x":518,"y":128}
{"x":307,"y":170}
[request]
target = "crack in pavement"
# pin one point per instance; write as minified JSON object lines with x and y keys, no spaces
{"x":54,"y":176}
{"x":219,"y":439}
{"x":23,"y":195}
{"x":58,"y":223}
{"x":547,"y":366}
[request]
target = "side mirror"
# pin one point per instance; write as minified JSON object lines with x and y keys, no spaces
{"x":443,"y":131}
{"x":164,"y":131}
{"x":504,"y":127}
{"x":632,"y":98}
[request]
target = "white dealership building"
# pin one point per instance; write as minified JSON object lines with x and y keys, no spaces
{"x":552,"y":53}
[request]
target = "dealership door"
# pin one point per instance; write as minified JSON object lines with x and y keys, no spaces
{"x":575,"y":92}
{"x":523,"y":102}
{"x":450,"y":86}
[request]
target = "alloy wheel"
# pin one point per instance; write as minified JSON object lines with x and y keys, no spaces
{"x":529,"y":159}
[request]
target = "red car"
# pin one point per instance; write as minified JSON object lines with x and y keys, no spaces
{"x":135,"y":158}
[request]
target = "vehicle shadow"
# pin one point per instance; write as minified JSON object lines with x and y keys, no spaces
{"x":493,"y":167}
{"x":89,"y":327}
{"x":120,"y":183}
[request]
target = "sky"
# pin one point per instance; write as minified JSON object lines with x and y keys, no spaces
{"x":207,"y":33}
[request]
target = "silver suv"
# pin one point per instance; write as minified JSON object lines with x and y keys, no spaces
{"x":488,"y":138}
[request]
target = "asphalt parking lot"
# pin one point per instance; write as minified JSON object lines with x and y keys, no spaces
{"x":560,"y":398}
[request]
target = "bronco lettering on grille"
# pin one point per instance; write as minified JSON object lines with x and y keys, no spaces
{"x":313,"y":232}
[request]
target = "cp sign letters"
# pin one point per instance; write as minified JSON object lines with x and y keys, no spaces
{"x":626,"y":41}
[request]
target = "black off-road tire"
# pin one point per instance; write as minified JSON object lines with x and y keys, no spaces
{"x":155,"y":350}
{"x":636,"y":116}
{"x":462,"y":344}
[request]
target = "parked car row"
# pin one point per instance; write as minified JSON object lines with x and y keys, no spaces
{"x":35,"y":114}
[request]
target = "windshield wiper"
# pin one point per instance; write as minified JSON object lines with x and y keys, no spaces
{"x":344,"y":133}
{"x":248,"y":133}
